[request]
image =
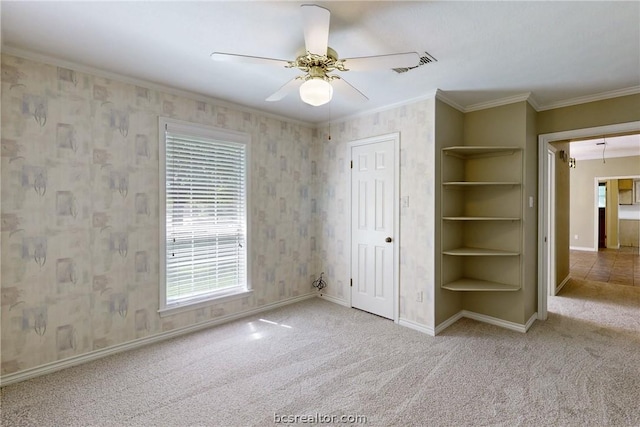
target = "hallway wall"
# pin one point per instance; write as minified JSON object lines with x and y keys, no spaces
{"x":583,"y":200}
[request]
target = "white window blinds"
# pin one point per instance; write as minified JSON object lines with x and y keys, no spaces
{"x":205,"y":203}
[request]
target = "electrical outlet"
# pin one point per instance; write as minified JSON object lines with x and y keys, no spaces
{"x":404,"y":201}
{"x":419,"y":297}
{"x":575,"y":237}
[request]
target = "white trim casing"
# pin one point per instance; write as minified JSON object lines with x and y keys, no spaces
{"x":596,"y":207}
{"x":395,"y":136}
{"x":206,"y":131}
{"x":550,"y":220}
{"x":51,"y":367}
{"x":543,"y":188}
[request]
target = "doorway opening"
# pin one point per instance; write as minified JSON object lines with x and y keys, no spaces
{"x":547,"y":240}
{"x":602,"y":215}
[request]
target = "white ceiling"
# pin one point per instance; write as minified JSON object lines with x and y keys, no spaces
{"x":619,"y":146}
{"x":485,"y":51}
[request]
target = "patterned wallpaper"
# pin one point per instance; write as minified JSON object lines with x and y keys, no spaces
{"x":79,"y":211}
{"x":416,"y":124}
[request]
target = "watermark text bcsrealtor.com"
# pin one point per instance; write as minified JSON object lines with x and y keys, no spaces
{"x":318,"y":419}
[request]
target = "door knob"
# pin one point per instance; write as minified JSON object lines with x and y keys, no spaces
{"x":388,"y":240}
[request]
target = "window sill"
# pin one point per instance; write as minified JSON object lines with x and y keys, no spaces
{"x":201,"y":303}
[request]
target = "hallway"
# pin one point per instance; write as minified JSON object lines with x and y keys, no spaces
{"x":614,"y":266}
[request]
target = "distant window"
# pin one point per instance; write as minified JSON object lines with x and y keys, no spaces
{"x":602,"y":195}
{"x":204,"y":199}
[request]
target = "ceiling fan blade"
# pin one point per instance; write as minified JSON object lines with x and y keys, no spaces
{"x":397,"y":60}
{"x":315,"y":21}
{"x":232,"y":57}
{"x":348,"y":91}
{"x":285,"y":90}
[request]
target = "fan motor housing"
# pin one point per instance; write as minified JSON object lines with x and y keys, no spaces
{"x":318,"y":65}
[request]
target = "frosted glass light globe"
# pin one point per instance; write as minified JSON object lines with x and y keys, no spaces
{"x":316,"y":92}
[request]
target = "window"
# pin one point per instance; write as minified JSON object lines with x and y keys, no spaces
{"x":204,"y":214}
{"x":602,"y":195}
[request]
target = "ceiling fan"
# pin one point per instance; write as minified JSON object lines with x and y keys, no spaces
{"x":318,"y":60}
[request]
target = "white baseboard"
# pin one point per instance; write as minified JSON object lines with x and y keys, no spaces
{"x":335,"y":300}
{"x":402,"y":322}
{"x":500,"y":322}
{"x":130,"y":345}
{"x":582,"y":248}
{"x":531,"y":321}
{"x":450,"y":321}
{"x":417,"y":326}
{"x":487,"y":319}
{"x":561,"y":285}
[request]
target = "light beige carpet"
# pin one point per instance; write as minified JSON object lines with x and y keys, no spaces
{"x":580,"y":367}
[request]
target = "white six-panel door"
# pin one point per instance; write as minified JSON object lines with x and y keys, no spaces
{"x":372,"y":227}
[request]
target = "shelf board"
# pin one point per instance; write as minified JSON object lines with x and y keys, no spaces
{"x":478,"y":252}
{"x":478,"y":183}
{"x":472,"y":285}
{"x":468,"y":152}
{"x":479,"y":218}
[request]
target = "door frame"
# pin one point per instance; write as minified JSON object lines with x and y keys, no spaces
{"x":550,"y":223}
{"x":395,"y":136}
{"x":543,"y":194}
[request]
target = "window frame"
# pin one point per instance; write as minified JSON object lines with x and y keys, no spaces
{"x":214,"y":133}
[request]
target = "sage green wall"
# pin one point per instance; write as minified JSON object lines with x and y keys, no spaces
{"x":503,"y":125}
{"x":599,"y":113}
{"x":583,"y":199}
{"x":562,"y":219}
{"x":449,"y":131}
{"x":530,"y":215}
{"x":581,"y":211}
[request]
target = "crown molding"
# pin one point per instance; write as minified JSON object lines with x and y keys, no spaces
{"x":488,"y":104}
{"x":633,"y":90}
{"x":441,"y":95}
{"x":434,"y":94}
{"x":450,"y":102}
{"x":426,"y":96}
{"x":499,"y":102}
{"x":57,"y":62}
{"x":533,"y":102}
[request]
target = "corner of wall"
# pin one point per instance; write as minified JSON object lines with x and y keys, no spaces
{"x":449,"y":131}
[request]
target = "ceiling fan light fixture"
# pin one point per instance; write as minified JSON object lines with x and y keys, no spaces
{"x":316,"y":91}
